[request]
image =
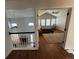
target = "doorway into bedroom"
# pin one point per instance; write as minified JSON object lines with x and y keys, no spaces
{"x":52,"y":25}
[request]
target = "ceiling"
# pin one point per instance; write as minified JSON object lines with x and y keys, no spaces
{"x":55,"y":12}
{"x":23,"y":4}
{"x":19,"y":6}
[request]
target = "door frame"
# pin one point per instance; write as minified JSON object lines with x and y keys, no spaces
{"x":67,"y":25}
{"x":67,"y":21}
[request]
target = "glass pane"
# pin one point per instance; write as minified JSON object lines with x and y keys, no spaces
{"x":47,"y":22}
{"x":42,"y":22}
{"x":13,"y":24}
{"x":52,"y":22}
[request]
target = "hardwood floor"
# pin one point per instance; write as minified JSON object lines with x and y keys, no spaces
{"x":46,"y":51}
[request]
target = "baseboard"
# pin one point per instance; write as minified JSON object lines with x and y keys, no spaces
{"x":8,"y":54}
{"x":70,"y":51}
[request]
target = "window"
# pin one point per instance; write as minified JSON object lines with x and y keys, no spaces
{"x":42,"y":22}
{"x":47,"y":22}
{"x":12,"y":25}
{"x":52,"y":22}
{"x":30,"y":24}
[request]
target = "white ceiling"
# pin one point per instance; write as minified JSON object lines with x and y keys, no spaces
{"x":60,"y":11}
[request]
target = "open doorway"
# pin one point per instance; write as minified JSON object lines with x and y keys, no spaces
{"x":53,"y":25}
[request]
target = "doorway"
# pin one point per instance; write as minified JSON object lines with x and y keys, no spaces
{"x":53,"y":25}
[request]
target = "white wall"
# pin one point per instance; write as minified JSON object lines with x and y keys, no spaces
{"x":22,"y":17}
{"x":14,"y":13}
{"x":61,"y":19}
{"x":8,"y":43}
{"x":70,"y":35}
{"x":22,"y":24}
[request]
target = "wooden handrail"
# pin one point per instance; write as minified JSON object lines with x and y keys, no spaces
{"x":21,"y":32}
